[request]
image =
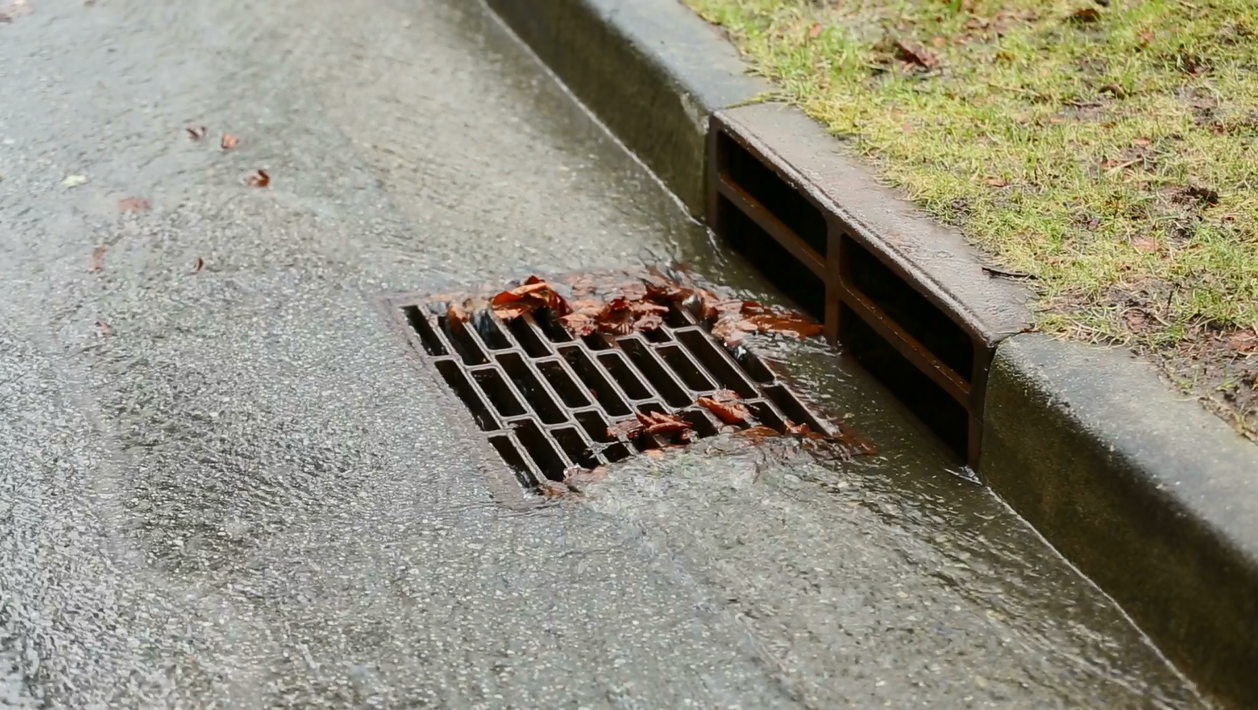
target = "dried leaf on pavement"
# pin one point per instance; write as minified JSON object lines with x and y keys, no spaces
{"x":228,"y":142}
{"x":133,"y":204}
{"x":98,"y":258}
{"x":456,"y":316}
{"x":196,"y":132}
{"x":196,"y":265}
{"x":103,"y":328}
{"x":258,"y":178}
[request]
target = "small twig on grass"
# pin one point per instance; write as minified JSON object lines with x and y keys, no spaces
{"x":1009,"y":274}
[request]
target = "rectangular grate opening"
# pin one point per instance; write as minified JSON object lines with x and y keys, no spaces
{"x":778,"y":265}
{"x":548,"y":403}
{"x":457,"y":379}
{"x":685,"y":368}
{"x":495,"y":387}
{"x":529,"y":386}
{"x":549,"y":325}
{"x":490,"y":334}
{"x":463,"y":341}
{"x":624,"y":376}
{"x":792,"y":407}
{"x":567,"y":389}
{"x":716,"y":362}
{"x":427,"y":336}
{"x":511,"y":455}
{"x":914,"y":313}
{"x":528,"y":338}
{"x":650,"y":366}
{"x":773,"y":193}
{"x":600,"y":387}
{"x":942,"y":414}
{"x":574,"y":445}
{"x":539,"y":448}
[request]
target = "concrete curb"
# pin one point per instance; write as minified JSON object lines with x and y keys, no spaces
{"x":1151,"y":496}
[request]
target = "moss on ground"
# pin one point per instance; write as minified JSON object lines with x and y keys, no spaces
{"x":1106,"y":150}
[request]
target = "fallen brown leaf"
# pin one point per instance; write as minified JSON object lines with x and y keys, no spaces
{"x":629,"y":428}
{"x":98,"y":256}
{"x":914,"y":54}
{"x":258,"y":178}
{"x":196,"y":132}
{"x":133,"y":204}
{"x":103,"y":328}
{"x":228,"y":142}
{"x":663,"y":424}
{"x":455,"y":315}
{"x":815,"y":31}
{"x":532,"y":294}
{"x":1084,"y":15}
{"x":996,"y":182}
{"x":554,"y":489}
{"x":758,"y":432}
{"x":1141,"y":142}
{"x":196,"y":265}
{"x":802,"y":430}
{"x":726,"y":405}
{"x":1243,"y":341}
{"x":1146,"y":244}
{"x":1145,"y":36}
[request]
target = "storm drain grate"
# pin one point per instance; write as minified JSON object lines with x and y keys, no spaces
{"x":549,"y":401}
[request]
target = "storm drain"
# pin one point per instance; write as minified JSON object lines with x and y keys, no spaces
{"x":901,"y":330}
{"x":549,"y":401}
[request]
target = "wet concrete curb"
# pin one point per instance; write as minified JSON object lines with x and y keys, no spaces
{"x":650,"y":70}
{"x":1151,"y":496}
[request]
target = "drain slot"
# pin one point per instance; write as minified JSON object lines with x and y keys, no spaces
{"x":716,"y":362}
{"x":905,"y":330}
{"x":427,"y":336}
{"x":759,"y":182}
{"x":527,"y":337}
{"x":783,"y":269}
{"x":649,"y":366}
{"x":499,"y":393}
{"x":921,"y":395}
{"x":598,"y":385}
{"x":864,"y":273}
{"x":624,"y":376}
{"x":463,"y":341}
{"x":457,"y":380}
{"x":575,"y":447}
{"x":571,"y":394}
{"x":531,"y":388}
{"x":548,"y":460}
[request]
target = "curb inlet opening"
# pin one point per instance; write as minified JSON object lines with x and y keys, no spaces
{"x":942,"y":414}
{"x":783,"y":270}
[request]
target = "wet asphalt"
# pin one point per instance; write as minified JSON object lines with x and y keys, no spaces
{"x":231,"y":487}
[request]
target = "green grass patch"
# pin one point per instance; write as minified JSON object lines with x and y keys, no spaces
{"x":1108,"y":151}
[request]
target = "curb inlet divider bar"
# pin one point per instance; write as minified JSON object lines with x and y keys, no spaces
{"x":903,"y":331}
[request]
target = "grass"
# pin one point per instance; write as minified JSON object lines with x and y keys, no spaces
{"x":1106,"y":151}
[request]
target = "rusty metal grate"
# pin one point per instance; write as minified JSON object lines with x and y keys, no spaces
{"x":547,"y":401}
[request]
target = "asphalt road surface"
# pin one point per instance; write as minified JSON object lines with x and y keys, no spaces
{"x":230,"y":486}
